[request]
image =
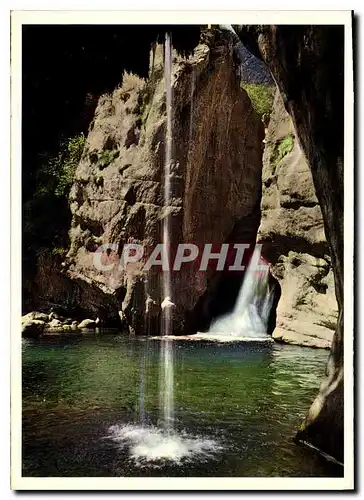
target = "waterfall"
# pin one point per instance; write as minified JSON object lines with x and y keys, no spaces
{"x":249,"y":318}
{"x":167,"y":178}
{"x":166,"y":366}
{"x":142,"y":389}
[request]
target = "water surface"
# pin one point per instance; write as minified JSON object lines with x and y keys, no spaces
{"x":236,"y":407}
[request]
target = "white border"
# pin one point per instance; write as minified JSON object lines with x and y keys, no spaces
{"x":349,"y":254}
{"x":181,"y":17}
{"x":176,"y":17}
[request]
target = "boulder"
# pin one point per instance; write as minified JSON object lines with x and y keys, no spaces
{"x":32,"y":328}
{"x":87,"y":323}
{"x":54,"y":323}
{"x":34,"y":315}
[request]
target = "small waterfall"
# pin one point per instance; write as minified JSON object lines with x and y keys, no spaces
{"x":166,"y":369}
{"x":249,"y":319}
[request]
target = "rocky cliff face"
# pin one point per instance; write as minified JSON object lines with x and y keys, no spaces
{"x":307,"y":63}
{"x":294,"y":242}
{"x":117,"y":196}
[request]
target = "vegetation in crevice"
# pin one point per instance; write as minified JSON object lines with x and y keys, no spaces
{"x":280,"y":150}
{"x":145,"y":101}
{"x":107,"y":157}
{"x":261,"y":96}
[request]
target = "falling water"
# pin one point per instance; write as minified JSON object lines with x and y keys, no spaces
{"x":249,"y":318}
{"x":167,"y":181}
{"x":144,"y":359}
{"x":166,"y":368}
{"x":146,"y":443}
{"x":142,"y":390}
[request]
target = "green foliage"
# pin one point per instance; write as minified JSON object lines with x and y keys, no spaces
{"x":46,"y":214}
{"x":261,"y":96}
{"x":107,"y":157}
{"x":281,"y":149}
{"x":67,"y":162}
{"x":59,"y":251}
{"x":144,"y":105}
{"x":56,"y":174}
{"x":285,"y":146}
{"x":145,"y":110}
{"x":46,"y":253}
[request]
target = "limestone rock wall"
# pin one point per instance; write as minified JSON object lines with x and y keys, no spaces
{"x":292,"y":232}
{"x":117,"y":196}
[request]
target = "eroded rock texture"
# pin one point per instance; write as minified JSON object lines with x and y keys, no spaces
{"x":307,"y":63}
{"x":294,"y":242}
{"x":117,"y":196}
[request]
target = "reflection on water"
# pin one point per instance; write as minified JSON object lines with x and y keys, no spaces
{"x":236,"y":408}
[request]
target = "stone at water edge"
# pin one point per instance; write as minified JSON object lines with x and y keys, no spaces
{"x":87,"y":323}
{"x":34,"y":315}
{"x":56,"y":316}
{"x":55,"y":323}
{"x":32,"y":328}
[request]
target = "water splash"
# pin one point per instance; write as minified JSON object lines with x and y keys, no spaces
{"x":250,"y":316}
{"x":150,"y":445}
